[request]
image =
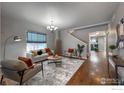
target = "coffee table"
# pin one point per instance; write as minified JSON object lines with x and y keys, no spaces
{"x":55,"y":59}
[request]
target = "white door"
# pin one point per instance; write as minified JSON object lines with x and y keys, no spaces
{"x":101,"y":43}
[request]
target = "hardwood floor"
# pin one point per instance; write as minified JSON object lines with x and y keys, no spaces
{"x":94,"y":71}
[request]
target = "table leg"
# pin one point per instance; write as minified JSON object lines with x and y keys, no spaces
{"x":1,"y":79}
{"x":58,"y":63}
{"x":42,"y":69}
{"x":116,"y":71}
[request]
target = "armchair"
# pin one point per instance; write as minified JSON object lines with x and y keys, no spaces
{"x":18,"y":71}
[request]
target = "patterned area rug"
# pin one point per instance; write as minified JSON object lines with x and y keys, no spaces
{"x":54,"y":74}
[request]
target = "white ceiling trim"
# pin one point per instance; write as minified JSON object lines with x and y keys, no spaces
{"x":91,"y":26}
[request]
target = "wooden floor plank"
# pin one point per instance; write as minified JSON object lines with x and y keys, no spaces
{"x":93,"y":71}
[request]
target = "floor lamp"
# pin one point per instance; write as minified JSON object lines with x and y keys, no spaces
{"x":15,"y":39}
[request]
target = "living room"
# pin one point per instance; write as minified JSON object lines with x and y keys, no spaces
{"x":56,"y":36}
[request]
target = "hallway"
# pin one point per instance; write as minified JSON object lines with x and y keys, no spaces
{"x":93,"y":71}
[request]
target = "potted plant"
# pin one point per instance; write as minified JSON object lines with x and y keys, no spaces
{"x":75,"y":52}
{"x":112,"y":48}
{"x":80,"y":49}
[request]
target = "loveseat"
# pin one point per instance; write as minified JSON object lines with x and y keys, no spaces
{"x":36,"y":57}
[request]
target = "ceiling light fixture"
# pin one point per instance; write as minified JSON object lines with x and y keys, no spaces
{"x":52,"y":27}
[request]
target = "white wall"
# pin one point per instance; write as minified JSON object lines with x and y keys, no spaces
{"x":84,"y":34}
{"x":112,"y":29}
{"x":117,"y":17}
{"x":101,"y":43}
{"x":12,"y":26}
{"x":0,"y":31}
{"x":68,"y":41}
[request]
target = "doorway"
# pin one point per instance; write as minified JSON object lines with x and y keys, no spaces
{"x":97,"y":41}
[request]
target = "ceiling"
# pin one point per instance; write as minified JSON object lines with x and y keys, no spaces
{"x":65,"y":14}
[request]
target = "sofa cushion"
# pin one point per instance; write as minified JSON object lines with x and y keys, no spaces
{"x":40,"y":57}
{"x":43,"y":50}
{"x":14,"y":65}
{"x":48,"y":51}
{"x":34,"y":52}
{"x":39,"y":52}
{"x":31,"y":72}
{"x":27,"y":61}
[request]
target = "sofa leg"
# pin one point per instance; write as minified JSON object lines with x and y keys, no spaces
{"x":21,"y":77}
{"x":1,"y":81}
{"x":20,"y":82}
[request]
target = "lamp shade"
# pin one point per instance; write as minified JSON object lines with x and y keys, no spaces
{"x":17,"y":38}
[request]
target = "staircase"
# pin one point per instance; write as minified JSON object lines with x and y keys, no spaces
{"x":71,"y":32}
{"x":83,"y":41}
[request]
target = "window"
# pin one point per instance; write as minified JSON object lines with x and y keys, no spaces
{"x":36,"y":41}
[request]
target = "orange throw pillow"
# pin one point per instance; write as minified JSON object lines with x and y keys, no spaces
{"x":48,"y":51}
{"x":27,"y":61}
